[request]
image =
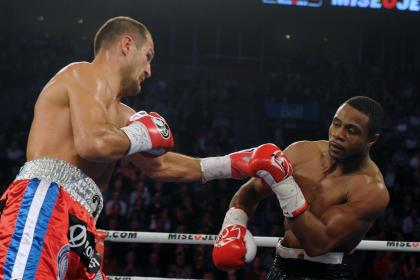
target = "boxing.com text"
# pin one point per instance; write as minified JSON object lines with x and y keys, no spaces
{"x":127,"y":235}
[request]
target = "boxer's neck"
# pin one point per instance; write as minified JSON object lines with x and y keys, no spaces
{"x":108,"y":65}
{"x":351,"y":164}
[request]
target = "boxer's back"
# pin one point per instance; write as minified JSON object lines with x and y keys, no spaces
{"x":51,"y":133}
{"x":325,"y":188}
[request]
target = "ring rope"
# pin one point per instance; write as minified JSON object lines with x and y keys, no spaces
{"x":262,"y":241}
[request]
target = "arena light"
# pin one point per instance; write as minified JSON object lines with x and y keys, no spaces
{"x":306,"y":3}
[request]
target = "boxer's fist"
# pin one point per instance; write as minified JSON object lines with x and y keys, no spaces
{"x":149,"y":133}
{"x":160,"y":135}
{"x":270,"y":164}
{"x":235,"y":245}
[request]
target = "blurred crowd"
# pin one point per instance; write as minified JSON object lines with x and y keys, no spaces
{"x":205,"y":113}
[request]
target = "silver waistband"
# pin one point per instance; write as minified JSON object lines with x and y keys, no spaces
{"x":292,"y":253}
{"x":77,"y":184}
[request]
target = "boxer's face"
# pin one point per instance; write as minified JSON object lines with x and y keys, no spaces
{"x":138,"y":67}
{"x":348,"y":133}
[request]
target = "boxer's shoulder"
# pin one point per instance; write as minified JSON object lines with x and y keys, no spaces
{"x":56,"y":91}
{"x":80,"y":73}
{"x":368,"y":174}
{"x":314,"y":146}
{"x":73,"y":76}
{"x":368,"y":184}
{"x":84,"y":81}
{"x":369,"y":193}
{"x":301,"y":151}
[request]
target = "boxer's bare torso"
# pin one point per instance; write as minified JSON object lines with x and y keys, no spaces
{"x":78,"y":116}
{"x":334,"y":194}
{"x":61,"y":108}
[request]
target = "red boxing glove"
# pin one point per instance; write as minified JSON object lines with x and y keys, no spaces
{"x":270,"y":164}
{"x":160,"y":147}
{"x":149,"y":133}
{"x":234,"y":245}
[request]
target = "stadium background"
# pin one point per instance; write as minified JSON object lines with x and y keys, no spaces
{"x":229,"y":75}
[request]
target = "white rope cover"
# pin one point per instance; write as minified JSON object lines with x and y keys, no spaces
{"x":262,"y":241}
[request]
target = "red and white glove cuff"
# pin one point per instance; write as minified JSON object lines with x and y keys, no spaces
{"x":215,"y":168}
{"x":235,"y":216}
{"x":291,"y":198}
{"x":251,"y":247}
{"x":139,"y":138}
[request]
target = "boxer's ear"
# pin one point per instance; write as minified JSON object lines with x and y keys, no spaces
{"x":126,"y":43}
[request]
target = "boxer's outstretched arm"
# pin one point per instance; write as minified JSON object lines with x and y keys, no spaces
{"x":170,"y":167}
{"x":174,"y":167}
{"x":341,"y":224}
{"x":95,"y":137}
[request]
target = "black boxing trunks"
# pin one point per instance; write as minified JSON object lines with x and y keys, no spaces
{"x":295,"y":264}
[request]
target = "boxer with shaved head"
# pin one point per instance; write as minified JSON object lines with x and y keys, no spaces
{"x":79,"y":130}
